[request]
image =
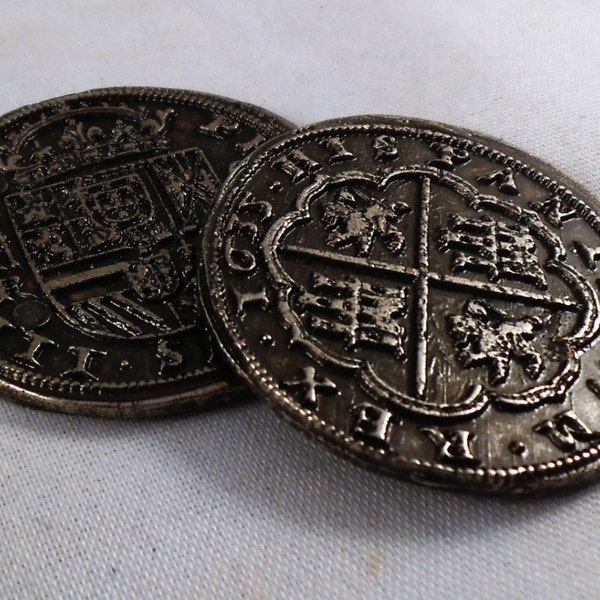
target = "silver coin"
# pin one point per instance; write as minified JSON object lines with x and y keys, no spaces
{"x":420,"y":298}
{"x":103,"y":194}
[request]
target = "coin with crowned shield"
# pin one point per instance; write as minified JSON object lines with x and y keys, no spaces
{"x":103,"y":194}
{"x":422,"y":299}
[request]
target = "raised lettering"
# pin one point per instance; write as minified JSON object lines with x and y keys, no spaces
{"x":239,"y":260}
{"x":37,"y":344}
{"x":242,"y":260}
{"x":448,"y":157}
{"x":169,"y":358}
{"x":504,"y":180}
{"x":261,"y":208}
{"x":247,"y":147}
{"x":338,"y":153}
{"x":220,"y":126}
{"x":385,"y":147}
{"x":589,"y":255}
{"x":555,"y":211}
{"x":372,"y":423}
{"x":243,"y":299}
{"x":565,"y":430}
{"x":84,"y":357}
{"x":297,"y":165}
{"x":453,"y":445}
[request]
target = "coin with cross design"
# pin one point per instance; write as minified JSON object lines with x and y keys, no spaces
{"x":103,"y":194}
{"x":421,"y":298}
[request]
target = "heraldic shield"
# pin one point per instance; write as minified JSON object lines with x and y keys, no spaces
{"x":105,"y":215}
{"x":421,"y":285}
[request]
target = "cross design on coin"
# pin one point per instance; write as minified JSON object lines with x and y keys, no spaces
{"x":310,"y":385}
{"x":447,"y":284}
{"x":486,"y":257}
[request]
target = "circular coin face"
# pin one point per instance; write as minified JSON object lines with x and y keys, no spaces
{"x":422,"y":299}
{"x":102,"y":197}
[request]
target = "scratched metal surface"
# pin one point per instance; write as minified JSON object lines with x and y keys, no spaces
{"x":103,"y":197}
{"x":235,"y":503}
{"x":420,"y":298}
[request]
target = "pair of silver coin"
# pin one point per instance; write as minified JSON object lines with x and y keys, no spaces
{"x":420,"y":298}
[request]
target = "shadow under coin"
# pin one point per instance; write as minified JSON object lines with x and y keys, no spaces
{"x":244,"y":453}
{"x":265,"y":467}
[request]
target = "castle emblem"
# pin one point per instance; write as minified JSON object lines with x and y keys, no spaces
{"x":473,"y":285}
{"x":105,"y":214}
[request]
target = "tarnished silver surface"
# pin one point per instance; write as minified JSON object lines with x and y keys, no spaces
{"x":420,"y":298}
{"x":102,"y":196}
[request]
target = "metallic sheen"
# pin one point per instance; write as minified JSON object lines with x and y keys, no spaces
{"x":102,"y":196}
{"x":422,"y":299}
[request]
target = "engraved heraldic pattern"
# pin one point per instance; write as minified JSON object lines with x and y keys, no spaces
{"x":493,"y":257}
{"x":103,"y":194}
{"x":414,"y":293}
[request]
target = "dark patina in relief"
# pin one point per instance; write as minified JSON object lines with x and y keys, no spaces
{"x":423,"y":299}
{"x":103,"y":194}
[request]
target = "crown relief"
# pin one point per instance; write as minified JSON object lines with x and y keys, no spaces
{"x":28,"y":161}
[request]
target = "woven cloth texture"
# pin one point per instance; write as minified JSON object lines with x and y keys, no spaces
{"x":232,"y":503}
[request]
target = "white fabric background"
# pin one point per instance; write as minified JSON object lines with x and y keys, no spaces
{"x":232,"y":503}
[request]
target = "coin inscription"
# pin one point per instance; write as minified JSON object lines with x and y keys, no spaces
{"x":103,"y":194}
{"x":432,"y":295}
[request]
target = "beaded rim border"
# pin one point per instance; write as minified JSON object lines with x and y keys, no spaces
{"x":264,"y":122}
{"x":521,"y":479}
